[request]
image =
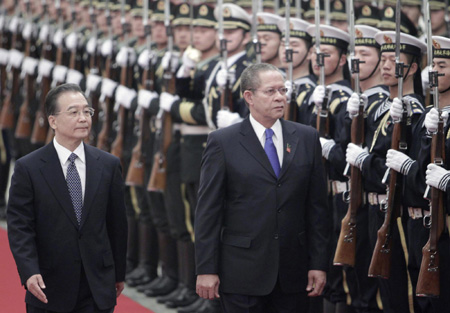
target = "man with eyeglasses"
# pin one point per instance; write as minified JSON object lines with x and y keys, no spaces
{"x":66,"y":215}
{"x":262,"y":223}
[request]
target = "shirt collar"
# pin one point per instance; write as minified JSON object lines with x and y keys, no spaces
{"x":231,"y":60}
{"x":260,"y":129}
{"x":64,"y":153}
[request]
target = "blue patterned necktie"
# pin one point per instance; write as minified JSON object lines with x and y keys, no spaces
{"x":271,"y":152}
{"x":74,"y":185}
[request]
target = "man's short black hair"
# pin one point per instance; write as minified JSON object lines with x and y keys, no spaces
{"x":51,"y":100}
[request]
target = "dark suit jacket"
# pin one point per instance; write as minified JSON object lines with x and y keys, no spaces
{"x":44,"y":235}
{"x":250,"y":227}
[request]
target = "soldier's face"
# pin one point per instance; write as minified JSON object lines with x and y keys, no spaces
{"x":387,"y":67}
{"x":342,"y":25}
{"x":236,"y":39}
{"x":182,"y":36}
{"x":437,"y":20}
{"x":159,"y":33}
{"x":442,"y":66}
{"x":204,"y":38}
{"x":370,"y":57}
{"x":270,"y":42}
{"x":137,"y":28}
{"x":412,"y":12}
{"x":331,"y":63}
{"x":300,"y":51}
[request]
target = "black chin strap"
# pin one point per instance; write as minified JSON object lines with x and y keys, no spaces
{"x":373,"y":72}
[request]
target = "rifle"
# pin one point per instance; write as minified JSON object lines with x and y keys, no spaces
{"x":323,"y":120}
{"x":226,"y":98}
{"x":256,"y":42}
{"x":290,"y":113}
{"x":7,"y":119}
{"x":40,"y":127}
{"x":380,"y":265}
{"x":136,"y":170}
{"x":428,"y":282}
{"x":163,"y":135}
{"x":107,"y":102}
{"x":60,"y":60}
{"x":346,"y":246}
{"x":126,"y":75}
{"x":23,"y":129}
{"x":4,"y":46}
{"x":94,"y":61}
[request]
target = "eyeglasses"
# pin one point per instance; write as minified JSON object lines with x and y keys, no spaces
{"x":270,"y":92}
{"x":73,"y":113}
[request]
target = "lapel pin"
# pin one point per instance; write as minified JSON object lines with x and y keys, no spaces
{"x":288,"y":148}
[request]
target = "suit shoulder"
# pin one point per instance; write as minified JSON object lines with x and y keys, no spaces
{"x":306,"y":129}
{"x":103,"y":155}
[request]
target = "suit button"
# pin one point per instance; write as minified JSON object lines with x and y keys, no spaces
{"x":278,"y":185}
{"x":275,"y":236}
{"x":279,"y":210}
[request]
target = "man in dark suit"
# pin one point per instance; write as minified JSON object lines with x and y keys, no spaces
{"x":261,"y":225}
{"x":66,"y":215}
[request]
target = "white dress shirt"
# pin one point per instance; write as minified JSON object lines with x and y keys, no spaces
{"x":277,"y":137}
{"x":80,"y":162}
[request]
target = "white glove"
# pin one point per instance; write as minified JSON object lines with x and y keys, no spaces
{"x":221,"y":77}
{"x":71,"y":41}
{"x":356,"y":155}
{"x":398,"y":161}
{"x":59,"y":73}
{"x":166,"y":100}
{"x":58,"y":37}
{"x":353,"y":105}
{"x":126,"y":57}
{"x":107,"y":47}
{"x":4,"y":56}
{"x":318,"y":95}
{"x":14,"y":24}
{"x":44,"y":32}
{"x":191,"y":57}
{"x":143,"y":59}
{"x":432,"y":119}
{"x":27,"y":31}
{"x":396,"y":110}
{"x":288,"y":86}
{"x":45,"y":67}
{"x":91,"y":45}
{"x":125,"y":96}
{"x":170,"y":59}
{"x":145,"y":97}
{"x":226,"y":118}
{"x":15,"y":58}
{"x":74,"y":77}
{"x":92,"y":82}
{"x":437,"y":177}
{"x":327,"y":145}
{"x":108,"y":87}
{"x":425,"y":78}
{"x":29,"y":65}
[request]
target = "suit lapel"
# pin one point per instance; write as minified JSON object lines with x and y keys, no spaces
{"x":252,"y":144}
{"x":290,"y":144}
{"x":93,"y":176}
{"x":53,"y":174}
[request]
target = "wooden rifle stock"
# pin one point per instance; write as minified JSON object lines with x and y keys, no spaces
{"x":323,"y":116}
{"x":40,"y":127}
{"x":163,"y":139}
{"x":7,"y":118}
{"x":136,"y":170}
{"x":291,"y":111}
{"x":380,"y":265}
{"x":428,"y":282}
{"x":117,"y":145}
{"x":103,"y":138}
{"x":226,"y":98}
{"x":346,"y":246}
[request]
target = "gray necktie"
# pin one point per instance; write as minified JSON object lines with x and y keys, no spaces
{"x":74,"y":185}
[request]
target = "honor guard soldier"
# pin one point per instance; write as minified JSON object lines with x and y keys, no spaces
{"x":332,"y":93}
{"x":225,"y":78}
{"x":413,"y":10}
{"x":367,"y":15}
{"x":388,"y":22}
{"x":363,"y":290}
{"x":372,"y":160}
{"x":310,"y":11}
{"x":419,"y":210}
{"x":439,"y":23}
{"x":305,"y":81}
{"x":338,"y":15}
{"x":270,"y":38}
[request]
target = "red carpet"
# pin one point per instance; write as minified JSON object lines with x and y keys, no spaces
{"x":12,"y":294}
